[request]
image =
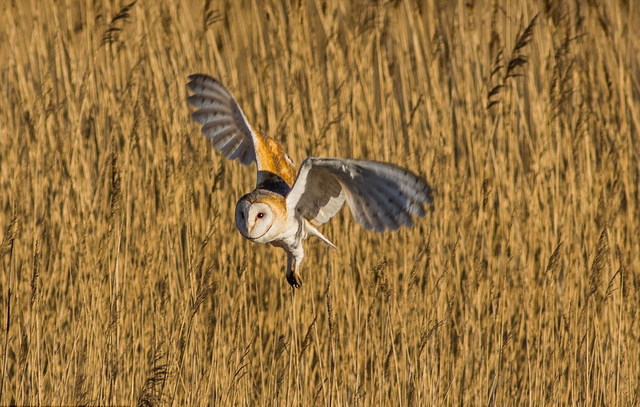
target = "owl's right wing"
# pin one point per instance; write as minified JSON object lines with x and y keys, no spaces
{"x":381,"y":196}
{"x":224,"y":123}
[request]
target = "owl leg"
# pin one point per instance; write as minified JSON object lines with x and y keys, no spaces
{"x":294,"y":258}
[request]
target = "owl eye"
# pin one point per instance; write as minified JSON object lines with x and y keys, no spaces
{"x":260,"y":215}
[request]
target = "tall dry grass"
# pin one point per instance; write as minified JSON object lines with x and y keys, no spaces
{"x":123,"y":279}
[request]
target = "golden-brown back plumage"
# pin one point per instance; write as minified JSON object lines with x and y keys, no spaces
{"x":272,"y":160}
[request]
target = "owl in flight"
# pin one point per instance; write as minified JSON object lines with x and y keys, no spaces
{"x":287,"y":206}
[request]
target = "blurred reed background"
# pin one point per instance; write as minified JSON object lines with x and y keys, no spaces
{"x":124,"y":281}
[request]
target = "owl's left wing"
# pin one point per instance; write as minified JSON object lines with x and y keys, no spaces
{"x":381,"y":196}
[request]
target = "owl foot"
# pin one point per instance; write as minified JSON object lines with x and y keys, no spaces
{"x":294,"y":279}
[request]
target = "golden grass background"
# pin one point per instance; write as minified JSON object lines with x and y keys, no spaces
{"x":124,"y":281}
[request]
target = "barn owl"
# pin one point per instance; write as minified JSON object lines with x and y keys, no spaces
{"x":287,"y":206}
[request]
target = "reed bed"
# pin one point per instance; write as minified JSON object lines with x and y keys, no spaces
{"x":124,"y":281}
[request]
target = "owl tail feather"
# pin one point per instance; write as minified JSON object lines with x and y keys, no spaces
{"x":315,"y":232}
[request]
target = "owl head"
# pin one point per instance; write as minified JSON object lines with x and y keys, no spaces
{"x":260,"y":215}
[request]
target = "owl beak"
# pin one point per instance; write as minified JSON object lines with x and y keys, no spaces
{"x":249,"y":225}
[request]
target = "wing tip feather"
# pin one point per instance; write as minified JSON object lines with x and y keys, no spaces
{"x":197,"y":76}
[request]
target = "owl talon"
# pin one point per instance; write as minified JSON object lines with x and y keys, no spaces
{"x":294,"y":280}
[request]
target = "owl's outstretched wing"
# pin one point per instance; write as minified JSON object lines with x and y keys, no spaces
{"x":224,"y":123}
{"x":381,"y":196}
